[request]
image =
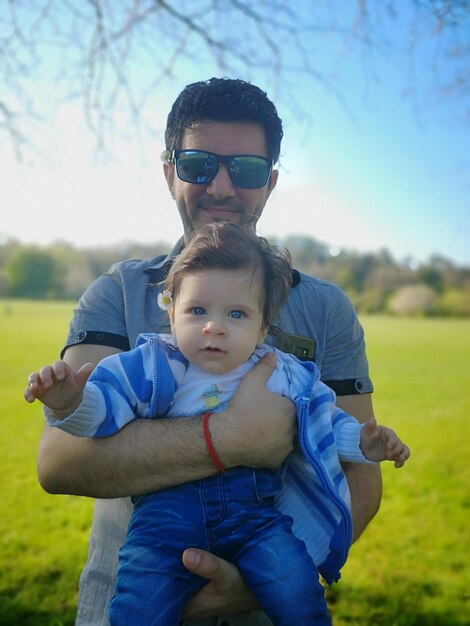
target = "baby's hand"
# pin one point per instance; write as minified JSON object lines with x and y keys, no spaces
{"x":58,"y":386}
{"x":379,"y":443}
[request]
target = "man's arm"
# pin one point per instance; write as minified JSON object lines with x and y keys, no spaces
{"x":365,"y":481}
{"x":149,"y":455}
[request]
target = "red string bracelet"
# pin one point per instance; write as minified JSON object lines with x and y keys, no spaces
{"x":209,"y":444}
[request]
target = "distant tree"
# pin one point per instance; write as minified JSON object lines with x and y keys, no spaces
{"x":33,"y":273}
{"x":306,"y":251}
{"x":7,"y":249}
{"x":387,"y":278}
{"x":370,"y":301}
{"x":455,"y":303}
{"x":354,"y":272}
{"x":3,"y":284}
{"x":413,"y":300}
{"x":77,"y":279}
{"x":432,"y":277}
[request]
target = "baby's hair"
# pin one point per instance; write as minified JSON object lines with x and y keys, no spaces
{"x":226,"y":246}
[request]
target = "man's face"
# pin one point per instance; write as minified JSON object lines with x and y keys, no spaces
{"x":220,"y":200}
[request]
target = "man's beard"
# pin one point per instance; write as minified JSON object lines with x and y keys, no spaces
{"x":190,"y":225}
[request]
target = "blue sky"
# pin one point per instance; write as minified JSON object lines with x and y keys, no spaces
{"x":386,"y":165}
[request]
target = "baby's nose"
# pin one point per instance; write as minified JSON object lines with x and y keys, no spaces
{"x":213,"y":327}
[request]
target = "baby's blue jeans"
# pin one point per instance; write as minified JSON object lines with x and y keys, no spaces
{"x":231,"y":515}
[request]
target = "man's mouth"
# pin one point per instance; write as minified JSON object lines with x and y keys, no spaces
{"x":221,"y":213}
{"x":227,"y":208}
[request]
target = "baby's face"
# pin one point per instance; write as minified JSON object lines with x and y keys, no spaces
{"x":217,"y":319}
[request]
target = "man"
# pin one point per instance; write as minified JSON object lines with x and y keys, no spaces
{"x":223,"y":137}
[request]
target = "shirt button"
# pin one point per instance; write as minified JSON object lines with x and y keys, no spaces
{"x":81,"y":335}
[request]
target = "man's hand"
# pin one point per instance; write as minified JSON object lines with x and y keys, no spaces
{"x":259,"y":427}
{"x":225,"y":592}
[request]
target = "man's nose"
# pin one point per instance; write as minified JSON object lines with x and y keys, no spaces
{"x":214,"y":327}
{"x":221,"y":187}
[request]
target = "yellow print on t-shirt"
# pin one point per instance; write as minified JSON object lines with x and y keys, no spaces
{"x":211,"y":396}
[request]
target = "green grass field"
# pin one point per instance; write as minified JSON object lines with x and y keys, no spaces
{"x":409,"y":569}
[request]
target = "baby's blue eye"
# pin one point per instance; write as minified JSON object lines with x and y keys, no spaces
{"x":236,"y":314}
{"x":198,"y":310}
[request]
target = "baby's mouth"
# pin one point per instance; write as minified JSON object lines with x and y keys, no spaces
{"x":213,"y":350}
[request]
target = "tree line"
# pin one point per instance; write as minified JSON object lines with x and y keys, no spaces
{"x":375,"y":282}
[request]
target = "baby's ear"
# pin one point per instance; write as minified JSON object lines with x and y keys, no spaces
{"x":171,"y":314}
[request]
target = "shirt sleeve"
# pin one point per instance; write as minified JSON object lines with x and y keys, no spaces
{"x":320,"y":310}
{"x":87,"y":417}
{"x":344,"y":367}
{"x":347,"y":433}
{"x":346,"y":430}
{"x":99,"y":317}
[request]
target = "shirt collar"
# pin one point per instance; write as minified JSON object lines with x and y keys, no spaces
{"x":170,"y":257}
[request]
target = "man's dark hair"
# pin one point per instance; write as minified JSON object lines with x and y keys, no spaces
{"x":226,"y":246}
{"x":223,"y":100}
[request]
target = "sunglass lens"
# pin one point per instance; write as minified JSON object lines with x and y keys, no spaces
{"x":196,"y":167}
{"x":249,"y":172}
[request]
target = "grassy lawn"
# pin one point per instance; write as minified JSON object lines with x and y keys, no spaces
{"x":43,"y":538}
{"x":409,"y":569}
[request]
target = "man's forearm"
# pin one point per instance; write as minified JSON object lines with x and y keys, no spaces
{"x":147,"y":455}
{"x":365,"y":485}
{"x":365,"y":481}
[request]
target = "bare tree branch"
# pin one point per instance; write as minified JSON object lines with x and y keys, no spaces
{"x":8,"y":125}
{"x":94,"y":51}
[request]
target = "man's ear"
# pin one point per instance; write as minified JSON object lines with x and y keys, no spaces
{"x":272,"y":181}
{"x":169,"y":173}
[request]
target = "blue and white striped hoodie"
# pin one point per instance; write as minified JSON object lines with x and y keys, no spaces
{"x":142,"y":383}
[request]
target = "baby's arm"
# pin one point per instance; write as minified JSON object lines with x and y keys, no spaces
{"x":58,"y":387}
{"x":99,"y":402}
{"x":379,"y":443}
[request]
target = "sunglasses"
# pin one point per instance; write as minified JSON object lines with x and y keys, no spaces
{"x":200,"y":168}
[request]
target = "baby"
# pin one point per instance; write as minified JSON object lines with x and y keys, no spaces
{"x":281,"y":528}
